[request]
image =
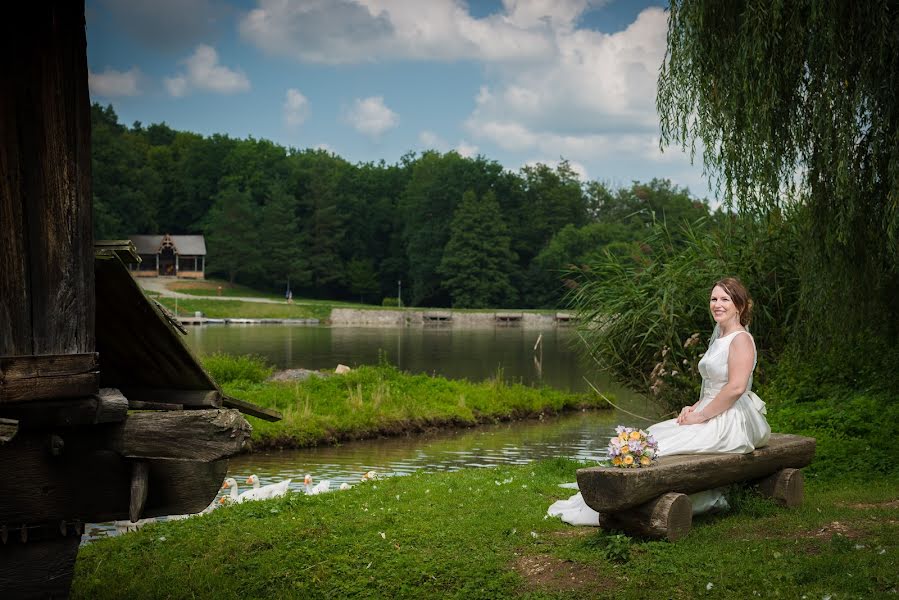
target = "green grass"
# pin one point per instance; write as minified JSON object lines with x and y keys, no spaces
{"x":380,"y":400}
{"x":474,"y":534}
{"x":220,"y":309}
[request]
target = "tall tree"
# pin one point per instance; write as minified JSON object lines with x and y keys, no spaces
{"x":282,"y":261}
{"x":796,"y":102}
{"x":231,"y":233}
{"x":477,"y":260}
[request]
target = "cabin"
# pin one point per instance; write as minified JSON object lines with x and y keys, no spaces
{"x":104,"y":412}
{"x":169,"y":256}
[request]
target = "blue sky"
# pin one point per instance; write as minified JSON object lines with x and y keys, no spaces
{"x":518,"y":81}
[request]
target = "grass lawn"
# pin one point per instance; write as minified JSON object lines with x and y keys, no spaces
{"x":220,"y":309}
{"x":481,"y":533}
{"x":378,"y":400}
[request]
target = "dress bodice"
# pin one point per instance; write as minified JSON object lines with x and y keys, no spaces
{"x":713,"y":365}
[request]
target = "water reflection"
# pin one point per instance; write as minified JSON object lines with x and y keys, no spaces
{"x":474,"y":354}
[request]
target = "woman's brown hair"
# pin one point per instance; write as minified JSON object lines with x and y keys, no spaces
{"x":740,"y":296}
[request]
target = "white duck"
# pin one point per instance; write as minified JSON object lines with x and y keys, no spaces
{"x":267,"y":491}
{"x":234,"y":496}
{"x":319,"y":488}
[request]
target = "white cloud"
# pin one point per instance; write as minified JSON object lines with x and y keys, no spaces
{"x":203,"y":72}
{"x":370,"y":116}
{"x":467,"y":150}
{"x":295,"y":109}
{"x":167,"y":25}
{"x":115,"y":83}
{"x":347,"y":31}
{"x":431,"y":141}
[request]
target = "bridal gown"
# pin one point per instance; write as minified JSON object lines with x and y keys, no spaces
{"x":741,"y":428}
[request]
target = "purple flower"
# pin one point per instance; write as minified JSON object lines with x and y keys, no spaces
{"x":619,"y":429}
{"x":635,"y":446}
{"x":614,"y":450}
{"x":616,"y":441}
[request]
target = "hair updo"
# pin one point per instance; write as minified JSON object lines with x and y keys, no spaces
{"x":740,"y":296}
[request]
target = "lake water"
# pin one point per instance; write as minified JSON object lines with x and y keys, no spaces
{"x":474,"y":354}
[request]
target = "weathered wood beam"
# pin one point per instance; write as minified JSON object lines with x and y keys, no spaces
{"x":88,"y":483}
{"x":107,"y":406}
{"x":41,"y":569}
{"x":187,"y":398}
{"x":140,"y":479}
{"x":670,"y":517}
{"x":204,"y":435}
{"x":247,"y":408}
{"x":124,"y":249}
{"x":611,"y":489}
{"x":141,"y":405}
{"x":24,"y":378}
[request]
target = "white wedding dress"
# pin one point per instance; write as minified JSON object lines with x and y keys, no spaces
{"x":740,"y":429}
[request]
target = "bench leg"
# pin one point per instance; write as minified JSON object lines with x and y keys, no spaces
{"x":669,"y":516}
{"x":786,"y":486}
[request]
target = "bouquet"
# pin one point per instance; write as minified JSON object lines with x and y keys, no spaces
{"x":632,"y":448}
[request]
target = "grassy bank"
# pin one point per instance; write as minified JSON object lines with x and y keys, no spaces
{"x":481,"y":533}
{"x":381,"y":400}
{"x":238,"y":309}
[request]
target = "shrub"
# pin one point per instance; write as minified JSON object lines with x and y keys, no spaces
{"x":225,"y":368}
{"x":390,"y":302}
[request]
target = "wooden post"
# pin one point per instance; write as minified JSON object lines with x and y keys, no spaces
{"x":140,"y":477}
{"x":670,"y":516}
{"x":787,"y":486}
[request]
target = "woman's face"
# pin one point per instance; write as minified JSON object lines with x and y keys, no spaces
{"x":722,"y":306}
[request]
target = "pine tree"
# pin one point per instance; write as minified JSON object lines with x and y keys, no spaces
{"x":232,"y":235}
{"x":477,"y":262}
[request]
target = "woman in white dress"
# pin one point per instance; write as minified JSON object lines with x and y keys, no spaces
{"x":728,"y":417}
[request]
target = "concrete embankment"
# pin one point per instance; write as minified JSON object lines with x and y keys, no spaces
{"x":448,"y":318}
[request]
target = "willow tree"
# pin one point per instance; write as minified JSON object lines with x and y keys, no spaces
{"x":796,"y":104}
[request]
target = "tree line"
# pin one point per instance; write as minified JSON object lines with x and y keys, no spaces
{"x":456,"y":231}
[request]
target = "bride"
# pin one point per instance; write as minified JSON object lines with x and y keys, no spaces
{"x":728,"y":417}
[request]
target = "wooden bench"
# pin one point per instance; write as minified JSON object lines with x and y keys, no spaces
{"x":653,"y":501}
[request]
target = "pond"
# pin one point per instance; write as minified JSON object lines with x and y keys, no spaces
{"x":474,"y":354}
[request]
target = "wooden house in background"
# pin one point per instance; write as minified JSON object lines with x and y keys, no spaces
{"x":170,"y":256}
{"x":104,"y":412}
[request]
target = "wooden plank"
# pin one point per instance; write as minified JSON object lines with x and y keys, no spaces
{"x":140,"y":405}
{"x":140,"y":479}
{"x":108,"y":406}
{"x":611,"y":489}
{"x":248,"y":408}
{"x":123,"y":249}
{"x":89,"y":483}
{"x":188,"y":398}
{"x":188,"y":435}
{"x":48,"y":388}
{"x":52,"y":365}
{"x":46,"y":164}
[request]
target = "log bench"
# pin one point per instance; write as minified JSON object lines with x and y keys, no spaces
{"x":653,"y":502}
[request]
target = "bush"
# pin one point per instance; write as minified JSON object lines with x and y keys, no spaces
{"x":225,"y":368}
{"x":645,"y":317}
{"x":390,"y":302}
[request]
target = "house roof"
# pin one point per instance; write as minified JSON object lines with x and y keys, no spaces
{"x":192,"y":245}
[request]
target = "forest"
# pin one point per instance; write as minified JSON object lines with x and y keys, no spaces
{"x":455,"y":231}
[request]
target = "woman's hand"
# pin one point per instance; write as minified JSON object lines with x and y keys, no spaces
{"x":683,"y":414}
{"x":692,"y":418}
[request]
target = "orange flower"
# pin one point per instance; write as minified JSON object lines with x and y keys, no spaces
{"x":616,"y":461}
{"x":629,"y":460}
{"x":635,"y":435}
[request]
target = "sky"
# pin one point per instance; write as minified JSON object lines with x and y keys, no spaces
{"x":517,"y":81}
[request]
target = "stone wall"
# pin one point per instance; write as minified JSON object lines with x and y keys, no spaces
{"x":448,"y":318}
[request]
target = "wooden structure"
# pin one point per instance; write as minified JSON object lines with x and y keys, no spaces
{"x":81,"y":348}
{"x":653,"y":501}
{"x":170,"y":256}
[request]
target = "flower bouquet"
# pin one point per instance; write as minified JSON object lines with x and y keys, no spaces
{"x":632,"y":448}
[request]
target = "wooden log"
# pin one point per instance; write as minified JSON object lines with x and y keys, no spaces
{"x":247,"y":408}
{"x":140,"y":405}
{"x":611,"y":489}
{"x":670,"y":516}
{"x":187,"y":435}
{"x":787,"y":486}
{"x":108,"y":406}
{"x":89,"y":483}
{"x":140,"y":479}
{"x":24,"y":378}
{"x":8,"y":429}
{"x":49,"y":365}
{"x":209,"y":398}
